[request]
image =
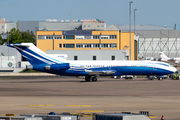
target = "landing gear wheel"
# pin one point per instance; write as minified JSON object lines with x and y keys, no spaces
{"x":151,"y":78}
{"x":87,"y":78}
{"x":94,"y":79}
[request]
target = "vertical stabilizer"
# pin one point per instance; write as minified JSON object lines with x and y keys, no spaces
{"x":34,"y":55}
{"x":163,"y":56}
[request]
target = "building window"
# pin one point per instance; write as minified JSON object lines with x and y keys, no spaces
{"x":68,"y":45}
{"x":113,"y":45}
{"x":104,"y":45}
{"x":49,"y":37}
{"x":57,"y":37}
{"x":79,"y":37}
{"x":95,"y":45}
{"x":104,"y":37}
{"x":68,"y":37}
{"x":2,"y":27}
{"x":112,"y":57}
{"x":75,"y":57}
{"x":60,"y":45}
{"x":79,"y":45}
{"x":84,"y":25}
{"x":96,"y":37}
{"x":88,"y":25}
{"x":94,"y":57}
{"x":97,"y":25}
{"x":87,"y":45}
{"x":41,"y":37}
{"x":87,"y":37}
{"x":112,"y":36}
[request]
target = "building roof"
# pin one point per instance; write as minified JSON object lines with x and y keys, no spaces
{"x":28,"y":26}
{"x":125,"y":28}
{"x":59,"y":26}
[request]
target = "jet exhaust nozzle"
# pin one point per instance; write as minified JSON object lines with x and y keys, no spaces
{"x":47,"y":67}
{"x":29,"y":67}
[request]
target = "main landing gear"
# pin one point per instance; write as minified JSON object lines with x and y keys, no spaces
{"x":90,"y":78}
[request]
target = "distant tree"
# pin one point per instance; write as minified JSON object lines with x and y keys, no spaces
{"x":15,"y":36}
{"x":28,"y":37}
{"x":2,"y":41}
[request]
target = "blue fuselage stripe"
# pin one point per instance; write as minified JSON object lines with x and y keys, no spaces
{"x":124,"y":71}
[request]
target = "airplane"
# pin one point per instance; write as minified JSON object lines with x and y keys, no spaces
{"x":165,"y":58}
{"x":41,"y":61}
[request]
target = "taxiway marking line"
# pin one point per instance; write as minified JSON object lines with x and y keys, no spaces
{"x":78,"y":106}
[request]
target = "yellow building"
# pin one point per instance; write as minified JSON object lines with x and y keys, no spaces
{"x":86,"y":40}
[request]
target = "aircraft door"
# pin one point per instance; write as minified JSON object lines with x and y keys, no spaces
{"x":109,"y":67}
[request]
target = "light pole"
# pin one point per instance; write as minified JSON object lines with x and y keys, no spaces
{"x":100,"y":42}
{"x":130,"y":27}
{"x":135,"y":34}
{"x":53,"y":40}
{"x":134,"y":20}
{"x":8,"y":44}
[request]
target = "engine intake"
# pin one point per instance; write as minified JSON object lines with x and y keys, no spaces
{"x":62,"y":66}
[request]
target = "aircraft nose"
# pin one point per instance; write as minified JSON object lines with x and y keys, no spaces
{"x":173,"y":69}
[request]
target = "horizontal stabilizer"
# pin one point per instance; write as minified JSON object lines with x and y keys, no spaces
{"x":164,"y":60}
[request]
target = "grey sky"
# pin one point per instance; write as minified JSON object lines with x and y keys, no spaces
{"x":152,"y":12}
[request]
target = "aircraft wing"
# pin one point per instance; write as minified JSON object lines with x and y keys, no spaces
{"x":100,"y":72}
{"x":93,"y":71}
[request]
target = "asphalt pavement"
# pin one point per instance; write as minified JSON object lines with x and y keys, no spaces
{"x":44,"y":94}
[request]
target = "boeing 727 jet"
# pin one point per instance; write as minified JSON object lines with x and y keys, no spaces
{"x":40,"y":61}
